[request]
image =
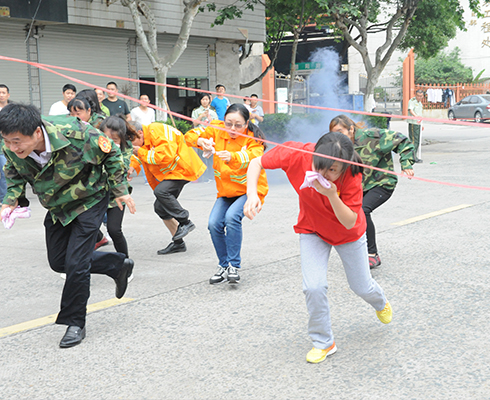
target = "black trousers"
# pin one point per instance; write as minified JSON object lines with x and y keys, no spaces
{"x":372,"y":199}
{"x":114,"y":228}
{"x":166,"y":204}
{"x":71,"y":250}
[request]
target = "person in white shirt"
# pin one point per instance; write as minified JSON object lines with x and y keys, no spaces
{"x":204,"y":113}
{"x":59,"y":108}
{"x":143,"y":114}
{"x":256,"y":111}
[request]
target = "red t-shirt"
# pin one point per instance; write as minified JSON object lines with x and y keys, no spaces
{"x":315,"y":212}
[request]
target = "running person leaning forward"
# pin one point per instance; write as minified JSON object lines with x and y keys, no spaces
{"x":169,"y":165}
{"x":69,"y":165}
{"x":375,"y":147}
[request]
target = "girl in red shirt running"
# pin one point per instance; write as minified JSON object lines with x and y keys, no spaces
{"x":330,"y":216}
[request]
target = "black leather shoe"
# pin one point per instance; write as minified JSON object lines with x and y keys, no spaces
{"x":122,"y":278}
{"x":183,"y":230}
{"x":73,"y":336}
{"x":173,"y":248}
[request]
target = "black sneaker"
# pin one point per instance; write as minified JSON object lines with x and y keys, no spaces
{"x":233,"y":276}
{"x":173,"y":248}
{"x":183,"y":230}
{"x":219,"y":275}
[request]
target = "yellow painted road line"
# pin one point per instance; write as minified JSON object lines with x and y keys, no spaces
{"x":36,"y":323}
{"x":431,"y":215}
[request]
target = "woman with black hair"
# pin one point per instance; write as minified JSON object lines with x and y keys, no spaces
{"x":234,"y":143}
{"x":116,"y":128}
{"x":330,"y":215}
{"x":204,"y":113}
{"x":83,"y":108}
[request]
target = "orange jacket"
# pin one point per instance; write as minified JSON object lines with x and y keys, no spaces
{"x":165,"y":156}
{"x":231,"y":177}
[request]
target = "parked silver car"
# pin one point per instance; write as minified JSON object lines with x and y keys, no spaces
{"x":475,"y":107}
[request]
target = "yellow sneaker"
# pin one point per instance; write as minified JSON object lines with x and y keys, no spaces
{"x":385,"y":314}
{"x":316,"y":356}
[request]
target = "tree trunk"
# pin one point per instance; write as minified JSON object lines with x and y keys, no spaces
{"x":372,"y":81}
{"x":293,"y":71}
{"x":161,"y":91}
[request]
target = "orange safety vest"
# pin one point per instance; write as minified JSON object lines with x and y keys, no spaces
{"x":231,"y":177}
{"x":166,"y":156}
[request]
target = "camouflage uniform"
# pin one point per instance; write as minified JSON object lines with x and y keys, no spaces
{"x":74,"y":187}
{"x":66,"y":186}
{"x":96,"y":120}
{"x":375,"y":147}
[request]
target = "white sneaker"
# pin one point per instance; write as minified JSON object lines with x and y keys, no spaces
{"x":233,"y":276}
{"x":63,"y":276}
{"x":219,"y":275}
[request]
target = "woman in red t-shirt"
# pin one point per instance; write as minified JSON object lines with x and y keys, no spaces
{"x":330,"y":202}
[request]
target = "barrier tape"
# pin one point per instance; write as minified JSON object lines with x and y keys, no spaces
{"x":48,"y":69}
{"x":406,"y":117}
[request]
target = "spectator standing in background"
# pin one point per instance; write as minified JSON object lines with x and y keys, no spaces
{"x":415,"y":108}
{"x":143,"y":114}
{"x":115,"y":105}
{"x":256,"y":111}
{"x":203,"y":113}
{"x":220,"y":102}
{"x":101,"y":97}
{"x":59,"y":108}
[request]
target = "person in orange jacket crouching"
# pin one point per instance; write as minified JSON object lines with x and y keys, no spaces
{"x":169,"y":165}
{"x":232,"y":153}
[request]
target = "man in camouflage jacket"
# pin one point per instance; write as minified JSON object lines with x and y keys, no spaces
{"x":71,"y":167}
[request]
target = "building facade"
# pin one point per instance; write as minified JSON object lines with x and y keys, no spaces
{"x":89,"y":35}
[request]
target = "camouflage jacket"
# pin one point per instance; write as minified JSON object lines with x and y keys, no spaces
{"x":84,"y":165}
{"x":375,"y":147}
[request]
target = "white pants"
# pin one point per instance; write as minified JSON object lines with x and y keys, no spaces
{"x":314,"y":263}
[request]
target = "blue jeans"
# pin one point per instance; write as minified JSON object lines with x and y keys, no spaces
{"x":3,"y":181}
{"x":225,"y":227}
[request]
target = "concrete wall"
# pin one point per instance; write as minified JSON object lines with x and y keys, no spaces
{"x":250,"y":69}
{"x":227,"y":66}
{"x":169,"y":14}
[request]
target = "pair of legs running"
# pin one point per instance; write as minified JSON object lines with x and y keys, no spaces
{"x":315,"y":254}
{"x":175,"y":217}
{"x":372,"y":199}
{"x":225,"y":227}
{"x":71,"y":251}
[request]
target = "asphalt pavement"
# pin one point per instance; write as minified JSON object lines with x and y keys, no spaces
{"x":177,"y":337}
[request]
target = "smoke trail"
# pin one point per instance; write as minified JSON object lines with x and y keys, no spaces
{"x":326,"y":88}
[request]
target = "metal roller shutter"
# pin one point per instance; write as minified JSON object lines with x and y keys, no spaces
{"x":14,"y":74}
{"x":80,"y":48}
{"x":193,"y":63}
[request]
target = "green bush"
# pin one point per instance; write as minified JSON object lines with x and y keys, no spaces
{"x":181,"y":125}
{"x":375,"y":122}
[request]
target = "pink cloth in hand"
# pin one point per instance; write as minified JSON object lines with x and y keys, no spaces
{"x":9,"y":215}
{"x":209,"y":153}
{"x":312,"y":176}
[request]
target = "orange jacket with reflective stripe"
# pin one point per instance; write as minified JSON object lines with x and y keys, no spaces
{"x":166,"y":156}
{"x":231,"y":177}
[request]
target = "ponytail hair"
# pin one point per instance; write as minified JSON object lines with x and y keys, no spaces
{"x":243,"y":111}
{"x":336,"y":145}
{"x":119,"y":124}
{"x":93,"y":100}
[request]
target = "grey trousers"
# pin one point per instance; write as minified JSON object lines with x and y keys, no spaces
{"x":314,"y":263}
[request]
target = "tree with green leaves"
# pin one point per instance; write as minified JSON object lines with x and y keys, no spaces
{"x":282,"y":16}
{"x":444,"y":68}
{"x":424,"y":25}
{"x":148,"y":39}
